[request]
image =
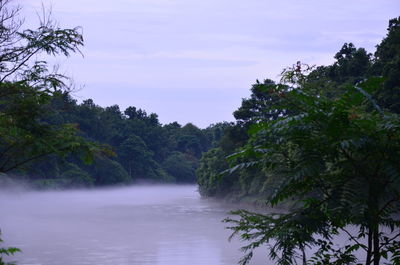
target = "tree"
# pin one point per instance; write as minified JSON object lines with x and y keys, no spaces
{"x":106,"y":171}
{"x":27,"y":87}
{"x":329,"y":156}
{"x":258,"y":106}
{"x":340,"y":159}
{"x":351,"y":65}
{"x":387,"y":63}
{"x":211,"y":181}
{"x":180,"y":167}
{"x":216,"y":131}
{"x":17,"y":48}
{"x":136,"y":157}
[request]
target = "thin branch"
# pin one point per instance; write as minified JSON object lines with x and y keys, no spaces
{"x":390,"y":240}
{"x":16,"y":165}
{"x":20,"y":65}
{"x":354,"y":239}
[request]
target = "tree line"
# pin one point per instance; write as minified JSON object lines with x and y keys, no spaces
{"x":139,"y":147}
{"x":50,"y":140}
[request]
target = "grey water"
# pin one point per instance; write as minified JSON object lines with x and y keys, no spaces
{"x":157,"y":225}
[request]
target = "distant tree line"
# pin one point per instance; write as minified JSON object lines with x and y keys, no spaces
{"x":140,"y":148}
{"x":46,"y":137}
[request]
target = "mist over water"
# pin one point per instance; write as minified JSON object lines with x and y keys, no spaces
{"x":132,"y":225}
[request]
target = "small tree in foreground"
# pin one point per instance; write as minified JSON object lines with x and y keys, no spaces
{"x":340,"y":159}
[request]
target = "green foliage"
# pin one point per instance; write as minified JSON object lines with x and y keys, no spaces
{"x":209,"y":177}
{"x":330,"y":153}
{"x":352,"y":65}
{"x":106,"y":172}
{"x":215,"y":132}
{"x":27,"y":87}
{"x":143,"y":147}
{"x":76,"y":176}
{"x":7,"y":252}
{"x":141,"y":144}
{"x":19,"y":47}
{"x":135,"y":156}
{"x":25,"y":135}
{"x":387,"y":63}
{"x":257,"y":107}
{"x":181,"y":167}
{"x":340,"y":159}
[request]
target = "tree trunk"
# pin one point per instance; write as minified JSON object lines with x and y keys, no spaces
{"x":369,"y":250}
{"x":377,"y":255}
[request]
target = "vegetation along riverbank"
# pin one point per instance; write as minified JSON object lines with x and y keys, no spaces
{"x":323,"y":143}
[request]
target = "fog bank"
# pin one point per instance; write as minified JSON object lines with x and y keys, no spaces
{"x":142,"y":224}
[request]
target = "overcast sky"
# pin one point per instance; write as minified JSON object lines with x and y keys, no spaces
{"x":194,"y":60}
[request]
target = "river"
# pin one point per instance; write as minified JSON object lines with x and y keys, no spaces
{"x":155,"y":225}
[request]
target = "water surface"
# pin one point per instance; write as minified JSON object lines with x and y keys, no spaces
{"x":157,"y":225}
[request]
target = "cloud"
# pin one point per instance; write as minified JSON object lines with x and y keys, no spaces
{"x":172,"y":49}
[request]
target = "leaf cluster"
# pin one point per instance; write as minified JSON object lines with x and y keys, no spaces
{"x":339,"y":158}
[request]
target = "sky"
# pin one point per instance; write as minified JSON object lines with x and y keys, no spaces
{"x":194,"y":60}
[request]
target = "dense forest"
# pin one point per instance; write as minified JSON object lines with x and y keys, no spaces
{"x":51,"y":141}
{"x":139,"y":147}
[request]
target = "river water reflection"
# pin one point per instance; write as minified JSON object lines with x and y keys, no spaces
{"x":157,"y":225}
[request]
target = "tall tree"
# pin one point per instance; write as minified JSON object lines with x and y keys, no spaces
{"x":339,"y":158}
